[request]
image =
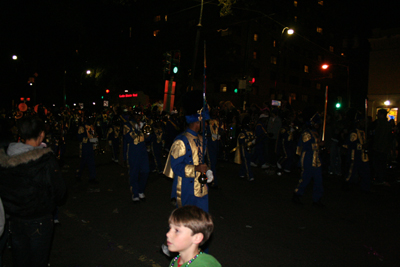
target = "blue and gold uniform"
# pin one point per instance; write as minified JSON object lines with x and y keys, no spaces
{"x":286,"y":148}
{"x":156,"y":141}
{"x":186,"y":152}
{"x":357,"y":160}
{"x":243,"y":156}
{"x":260,"y":146}
{"x":137,"y":157}
{"x":213,"y":143}
{"x":113,"y":137}
{"x":308,"y":150}
{"x":186,"y":159}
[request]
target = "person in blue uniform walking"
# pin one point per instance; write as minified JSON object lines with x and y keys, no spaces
{"x":113,"y":137}
{"x":308,"y":150}
{"x":86,"y":133}
{"x":286,"y":148}
{"x":357,"y":158}
{"x":156,"y":142}
{"x":137,"y":156}
{"x":185,"y":162}
{"x":261,"y":136}
{"x":245,"y":142}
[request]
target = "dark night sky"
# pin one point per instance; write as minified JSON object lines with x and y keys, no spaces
{"x":47,"y":34}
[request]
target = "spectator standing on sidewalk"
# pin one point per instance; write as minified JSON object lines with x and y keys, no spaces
{"x":31,"y":187}
{"x":382,"y":140}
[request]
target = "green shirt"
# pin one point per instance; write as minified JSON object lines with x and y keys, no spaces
{"x":203,"y":260}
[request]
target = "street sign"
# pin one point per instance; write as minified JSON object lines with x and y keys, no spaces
{"x":105,"y":103}
{"x":242,"y":84}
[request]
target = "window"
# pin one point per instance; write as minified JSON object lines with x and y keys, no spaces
{"x":304,"y":98}
{"x":319,"y":30}
{"x":321,"y":3}
{"x":273,"y":60}
{"x":156,"y":32}
{"x":223,"y":88}
{"x":255,"y":37}
{"x":255,"y":55}
{"x":318,"y":86}
{"x":331,"y":49}
{"x":274,"y":43}
{"x":157,"y":18}
{"x":295,"y":3}
{"x":306,"y":68}
{"x":166,"y":17}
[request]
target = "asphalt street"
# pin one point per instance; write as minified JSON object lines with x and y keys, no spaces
{"x":256,"y":223}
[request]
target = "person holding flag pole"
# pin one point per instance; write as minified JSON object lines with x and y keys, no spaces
{"x":186,"y":160}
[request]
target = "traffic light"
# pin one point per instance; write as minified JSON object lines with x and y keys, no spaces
{"x":236,"y":90}
{"x":167,"y":62}
{"x":107,"y":91}
{"x":102,"y":97}
{"x":176,"y":60}
{"x":338,"y":103}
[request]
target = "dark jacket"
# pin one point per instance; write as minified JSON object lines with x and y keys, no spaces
{"x":31,"y":185}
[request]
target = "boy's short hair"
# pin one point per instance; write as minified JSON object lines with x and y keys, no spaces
{"x":30,"y":127}
{"x":195,"y":219}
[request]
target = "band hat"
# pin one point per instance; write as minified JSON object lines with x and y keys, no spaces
{"x":192,"y":104}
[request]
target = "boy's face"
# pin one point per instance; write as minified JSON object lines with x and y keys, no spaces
{"x":179,"y":238}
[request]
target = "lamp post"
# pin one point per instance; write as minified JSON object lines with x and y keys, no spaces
{"x":326,"y":66}
{"x":289,"y":32}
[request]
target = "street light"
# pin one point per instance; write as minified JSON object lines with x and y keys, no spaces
{"x":14,"y":57}
{"x":288,"y":30}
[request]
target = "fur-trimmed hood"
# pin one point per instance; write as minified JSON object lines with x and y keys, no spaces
{"x":7,"y":161}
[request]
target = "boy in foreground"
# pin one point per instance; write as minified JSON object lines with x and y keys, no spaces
{"x":189,"y":228}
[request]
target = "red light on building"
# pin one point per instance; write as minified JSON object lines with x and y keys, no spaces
{"x":28,"y":99}
{"x":22,"y":99}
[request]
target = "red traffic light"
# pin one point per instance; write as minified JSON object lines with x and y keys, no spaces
{"x":107,"y":91}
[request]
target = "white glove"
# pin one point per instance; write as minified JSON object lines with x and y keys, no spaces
{"x":210,"y":176}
